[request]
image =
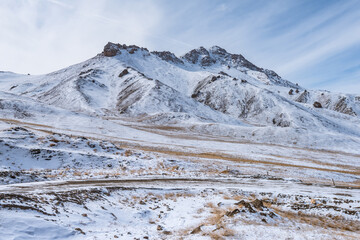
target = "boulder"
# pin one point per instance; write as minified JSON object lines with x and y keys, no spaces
{"x":123,"y":73}
{"x":196,"y":230}
{"x":317,"y":105}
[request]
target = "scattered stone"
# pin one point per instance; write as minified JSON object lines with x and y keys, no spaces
{"x":167,"y":232}
{"x":35,"y":151}
{"x":80,"y":230}
{"x":213,"y":79}
{"x":123,"y":73}
{"x":246,"y":205}
{"x":317,"y":105}
{"x":232,"y":213}
{"x":196,"y":230}
{"x":258,"y":204}
{"x":224,"y":73}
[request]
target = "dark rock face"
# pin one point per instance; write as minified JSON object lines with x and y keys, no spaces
{"x":123,"y":73}
{"x":258,"y":204}
{"x":219,"y":51}
{"x":201,"y":56}
{"x":342,"y":106}
{"x":168,"y":56}
{"x":232,"y":213}
{"x":110,"y":49}
{"x":224,"y":73}
{"x":194,"y":55}
{"x":317,"y":105}
{"x":239,"y":60}
{"x":207,"y":61}
{"x":196,"y":230}
{"x":246,"y":205}
{"x":218,"y":55}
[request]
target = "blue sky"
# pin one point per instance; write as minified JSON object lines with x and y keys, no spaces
{"x":315,"y":43}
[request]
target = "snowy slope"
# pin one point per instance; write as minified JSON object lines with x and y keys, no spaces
{"x":205,"y":85}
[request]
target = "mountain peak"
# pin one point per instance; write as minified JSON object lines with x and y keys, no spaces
{"x":113,"y":49}
{"x":217,"y":50}
{"x":199,"y":56}
{"x":203,"y":57}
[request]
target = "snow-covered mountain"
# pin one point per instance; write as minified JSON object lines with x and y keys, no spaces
{"x":204,"y":85}
{"x":133,"y":144}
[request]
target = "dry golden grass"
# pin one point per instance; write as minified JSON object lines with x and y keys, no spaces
{"x":200,"y":211}
{"x":328,"y":221}
{"x":210,"y":205}
{"x":237,"y":197}
{"x":216,"y":217}
{"x":128,"y":153}
{"x":221,"y":233}
{"x":222,"y":156}
{"x":77,"y":174}
{"x":227,"y":197}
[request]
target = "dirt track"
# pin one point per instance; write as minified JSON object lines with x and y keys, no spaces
{"x":246,"y":184}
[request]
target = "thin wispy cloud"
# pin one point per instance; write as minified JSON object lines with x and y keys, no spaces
{"x":61,"y":4}
{"x":309,"y":42}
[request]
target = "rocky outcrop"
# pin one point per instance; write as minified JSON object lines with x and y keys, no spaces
{"x":217,"y":55}
{"x":200,"y":55}
{"x":304,"y":97}
{"x":168,"y":57}
{"x":342,"y":106}
{"x":123,"y":73}
{"x":110,"y":49}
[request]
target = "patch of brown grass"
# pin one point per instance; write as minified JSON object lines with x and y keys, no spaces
{"x":222,"y":232}
{"x":328,"y":221}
